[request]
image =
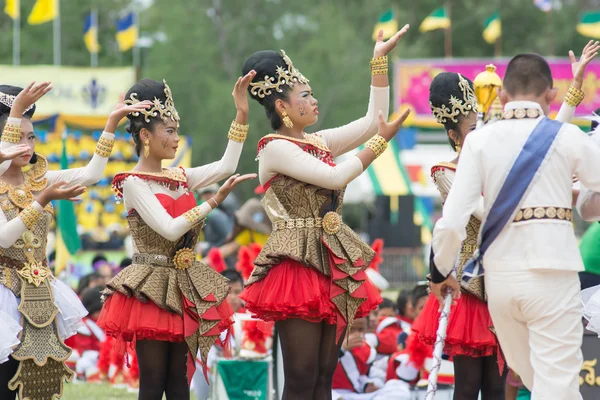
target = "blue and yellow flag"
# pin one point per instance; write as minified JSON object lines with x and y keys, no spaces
{"x":90,"y":32}
{"x":127,"y":32}
{"x":13,"y":8}
{"x":43,"y":11}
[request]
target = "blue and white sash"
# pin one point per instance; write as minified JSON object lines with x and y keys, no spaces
{"x":513,"y":190}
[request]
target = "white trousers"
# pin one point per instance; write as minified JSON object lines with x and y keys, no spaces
{"x":537,"y":317}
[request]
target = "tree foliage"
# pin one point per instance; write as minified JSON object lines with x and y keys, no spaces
{"x":203,"y":44}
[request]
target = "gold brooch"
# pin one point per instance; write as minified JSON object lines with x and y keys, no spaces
{"x":184,"y":258}
{"x":332,"y":223}
{"x":34,"y":273}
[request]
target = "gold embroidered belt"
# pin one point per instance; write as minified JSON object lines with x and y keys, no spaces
{"x":183,"y":259}
{"x":539,"y":213}
{"x":331,"y":223}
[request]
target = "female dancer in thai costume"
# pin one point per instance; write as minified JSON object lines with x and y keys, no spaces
{"x":470,"y":339}
{"x":309,"y":276}
{"x":44,"y":310}
{"x":165,"y":303}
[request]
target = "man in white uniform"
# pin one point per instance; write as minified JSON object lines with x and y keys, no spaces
{"x":531,"y":266}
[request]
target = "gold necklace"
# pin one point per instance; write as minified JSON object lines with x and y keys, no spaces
{"x":22,"y":195}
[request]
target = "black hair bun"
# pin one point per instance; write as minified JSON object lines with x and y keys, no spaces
{"x":13,"y":91}
{"x":265,"y":63}
{"x":444,"y":86}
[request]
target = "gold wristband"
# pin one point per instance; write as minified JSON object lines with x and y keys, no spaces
{"x":574,"y":96}
{"x":238,"y":132}
{"x":193,"y":216}
{"x":104,"y":147}
{"x":11,"y":133}
{"x":379,"y":65}
{"x":378,"y":144}
{"x":30,"y":216}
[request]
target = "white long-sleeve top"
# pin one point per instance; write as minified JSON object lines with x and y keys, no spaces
{"x":286,"y":158}
{"x":12,"y":230}
{"x":140,"y":194}
{"x":487,"y":155}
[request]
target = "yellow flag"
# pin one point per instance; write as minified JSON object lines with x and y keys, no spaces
{"x":43,"y":11}
{"x":13,"y":8}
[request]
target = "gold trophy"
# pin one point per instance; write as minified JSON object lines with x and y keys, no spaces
{"x":485,"y":85}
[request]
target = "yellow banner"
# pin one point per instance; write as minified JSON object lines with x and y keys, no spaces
{"x":77,"y":91}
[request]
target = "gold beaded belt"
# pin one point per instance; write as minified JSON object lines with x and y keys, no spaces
{"x":184,"y":258}
{"x":331,"y":223}
{"x":538,"y":213}
{"x":10,"y":263}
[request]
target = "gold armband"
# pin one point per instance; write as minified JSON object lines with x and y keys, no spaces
{"x":378,"y":144}
{"x":379,"y":65}
{"x":238,"y":132}
{"x":11,"y":133}
{"x":30,"y":216}
{"x":193,"y":216}
{"x":574,"y":96}
{"x":104,"y":147}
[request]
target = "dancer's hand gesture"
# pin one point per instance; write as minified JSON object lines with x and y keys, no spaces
{"x":229,"y":185}
{"x":29,"y":96}
{"x":383,"y":48}
{"x":122,"y":110}
{"x":590,"y":51}
{"x":240,"y":92}
{"x":439,"y":290}
{"x":14,"y":152}
{"x":59,"y":191}
{"x":388,"y":130}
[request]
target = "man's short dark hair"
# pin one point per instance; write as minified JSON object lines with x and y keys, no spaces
{"x":527,"y":74}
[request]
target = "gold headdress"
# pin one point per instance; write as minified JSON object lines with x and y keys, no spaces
{"x":285,"y":76}
{"x":459,"y":106}
{"x":8,"y":100}
{"x":164,"y":111}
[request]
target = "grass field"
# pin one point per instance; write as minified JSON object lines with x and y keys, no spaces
{"x":83,"y":391}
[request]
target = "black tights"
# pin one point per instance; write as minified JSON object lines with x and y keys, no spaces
{"x":472,"y":375}
{"x":163,"y":369}
{"x":310,"y":356}
{"x":8,"y":370}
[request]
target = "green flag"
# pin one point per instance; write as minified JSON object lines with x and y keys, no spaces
{"x":438,"y":19}
{"x":589,"y":25}
{"x":66,"y":220}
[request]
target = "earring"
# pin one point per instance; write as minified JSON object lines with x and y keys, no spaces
{"x":457,"y":147}
{"x":286,"y":120}
{"x":146,"y":148}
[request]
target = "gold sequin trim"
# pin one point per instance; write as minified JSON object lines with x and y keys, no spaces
{"x":11,"y":133}
{"x":30,"y":216}
{"x":379,"y":65}
{"x":574,"y":96}
{"x":193,"y":216}
{"x":538,"y":213}
{"x":238,"y":132}
{"x":378,"y":144}
{"x":522,"y":113}
{"x":104,"y":147}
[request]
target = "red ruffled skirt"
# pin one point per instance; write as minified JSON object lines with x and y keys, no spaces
{"x":469,"y":332}
{"x":294,"y":290}
{"x":128,"y":319}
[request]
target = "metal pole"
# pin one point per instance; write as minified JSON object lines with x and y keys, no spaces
{"x":94,"y":22}
{"x":57,"y":34}
{"x":136,"y":47}
{"x":17,"y":36}
{"x":448,"y":31}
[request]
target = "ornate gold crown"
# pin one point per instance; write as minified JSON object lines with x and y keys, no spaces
{"x":8,"y":100}
{"x":459,"y":106}
{"x":164,"y":111}
{"x":285,"y":76}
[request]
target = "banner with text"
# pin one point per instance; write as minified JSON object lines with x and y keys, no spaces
{"x":76,"y":91}
{"x":412,"y":80}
